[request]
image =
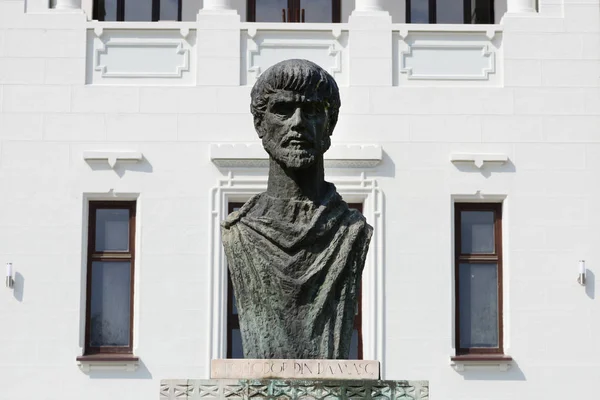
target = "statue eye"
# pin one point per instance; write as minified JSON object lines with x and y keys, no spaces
{"x":283,"y":108}
{"x":312,"y":108}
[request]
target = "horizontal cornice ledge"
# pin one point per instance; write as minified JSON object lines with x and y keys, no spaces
{"x":248,"y":155}
{"x":479,"y":159}
{"x":107,"y":362}
{"x":113,"y":156}
{"x":501,"y":362}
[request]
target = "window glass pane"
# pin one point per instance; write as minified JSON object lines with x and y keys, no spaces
{"x":449,"y":12}
{"x":237,"y":351}
{"x":481,"y":12}
{"x":112,"y":230}
{"x":477,"y":232}
{"x":270,"y":10}
{"x":138,"y":10}
{"x":354,"y":346}
{"x":169,"y":10}
{"x":110,"y":304}
{"x":234,"y":310}
{"x":478,"y":305}
{"x":316,"y":11}
{"x":419,"y":11}
{"x":106,"y":10}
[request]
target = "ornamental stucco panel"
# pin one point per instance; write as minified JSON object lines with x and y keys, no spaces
{"x":450,"y":58}
{"x":158,"y":57}
{"x":262,"y":48}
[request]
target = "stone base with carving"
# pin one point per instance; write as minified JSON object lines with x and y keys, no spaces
{"x":271,"y":389}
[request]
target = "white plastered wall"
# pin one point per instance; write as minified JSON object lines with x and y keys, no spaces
{"x":544,"y":114}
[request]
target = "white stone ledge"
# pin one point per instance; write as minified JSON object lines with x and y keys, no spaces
{"x":113,"y":156}
{"x":108,"y":363}
{"x":500,"y":363}
{"x":158,"y":25}
{"x":284,"y":26}
{"x":478,"y":159}
{"x":447,"y":27}
{"x":246,"y":155}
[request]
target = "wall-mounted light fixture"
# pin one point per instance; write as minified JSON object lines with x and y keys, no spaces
{"x":10,"y":282}
{"x":581,"y":278}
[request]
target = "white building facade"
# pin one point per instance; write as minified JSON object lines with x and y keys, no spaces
{"x":472,"y":149}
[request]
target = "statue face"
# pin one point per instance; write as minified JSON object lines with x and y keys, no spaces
{"x":294,"y":129}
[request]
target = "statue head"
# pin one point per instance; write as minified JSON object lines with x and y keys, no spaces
{"x":295,"y":104}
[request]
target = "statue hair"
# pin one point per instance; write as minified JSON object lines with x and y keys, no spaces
{"x":301,"y":76}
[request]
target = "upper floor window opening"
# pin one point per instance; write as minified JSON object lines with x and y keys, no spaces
{"x":450,"y":11}
{"x":294,"y":11}
{"x":137,"y":10}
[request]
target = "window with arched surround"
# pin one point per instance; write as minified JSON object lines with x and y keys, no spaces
{"x":234,"y":337}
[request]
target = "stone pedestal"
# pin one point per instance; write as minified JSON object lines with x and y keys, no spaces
{"x":198,"y":389}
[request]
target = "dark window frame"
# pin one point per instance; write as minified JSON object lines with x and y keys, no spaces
{"x":467,"y":17}
{"x":295,"y":11}
{"x":233,"y":321}
{"x":478,"y":258}
{"x":121,"y":10}
{"x":108,"y":256}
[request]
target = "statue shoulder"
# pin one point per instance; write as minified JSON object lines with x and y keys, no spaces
{"x":357,"y":217}
{"x":237,"y":215}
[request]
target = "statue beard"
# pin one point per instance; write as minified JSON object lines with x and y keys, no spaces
{"x":295,"y":158}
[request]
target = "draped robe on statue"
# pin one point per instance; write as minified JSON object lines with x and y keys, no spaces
{"x":296,"y":268}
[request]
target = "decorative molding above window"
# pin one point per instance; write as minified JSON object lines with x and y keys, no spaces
{"x":108,"y":363}
{"x":479,"y":159}
{"x":113,"y":156}
{"x":246,"y":155}
{"x":462,"y":363}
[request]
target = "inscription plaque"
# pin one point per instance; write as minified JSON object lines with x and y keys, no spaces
{"x":294,"y":369}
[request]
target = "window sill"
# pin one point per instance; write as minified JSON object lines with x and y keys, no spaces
{"x":108,"y":362}
{"x":481,"y":361}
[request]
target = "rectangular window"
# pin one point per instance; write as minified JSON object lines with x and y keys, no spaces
{"x":234,"y":335}
{"x":478,"y":278}
{"x":137,"y":10}
{"x":111,"y":249}
{"x":293,"y":10}
{"x":450,"y":11}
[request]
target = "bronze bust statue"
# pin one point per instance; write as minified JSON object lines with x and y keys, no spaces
{"x":296,"y":252}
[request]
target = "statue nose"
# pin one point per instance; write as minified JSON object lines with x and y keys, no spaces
{"x":297,"y":119}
